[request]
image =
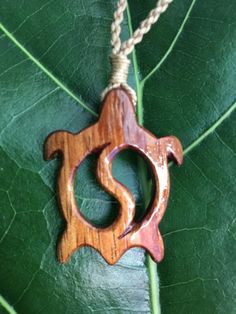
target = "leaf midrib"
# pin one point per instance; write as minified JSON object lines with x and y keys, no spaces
{"x":151,"y":265}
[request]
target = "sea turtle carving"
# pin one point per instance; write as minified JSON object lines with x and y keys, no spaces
{"x":116,"y":130}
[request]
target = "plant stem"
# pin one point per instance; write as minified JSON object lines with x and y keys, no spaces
{"x":7,"y":306}
{"x":152,"y":267}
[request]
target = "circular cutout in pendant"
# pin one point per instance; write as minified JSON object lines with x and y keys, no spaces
{"x":116,"y":130}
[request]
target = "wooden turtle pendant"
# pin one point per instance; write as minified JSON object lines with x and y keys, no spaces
{"x":116,"y":130}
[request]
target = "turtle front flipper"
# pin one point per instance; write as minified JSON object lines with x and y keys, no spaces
{"x":54,"y":144}
{"x":174,"y":148}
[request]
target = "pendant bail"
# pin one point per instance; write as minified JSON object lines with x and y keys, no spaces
{"x":120,"y":68}
{"x":119,"y":76}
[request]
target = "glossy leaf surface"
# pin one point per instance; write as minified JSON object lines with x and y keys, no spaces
{"x":53,"y":67}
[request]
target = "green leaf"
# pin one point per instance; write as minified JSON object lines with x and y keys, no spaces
{"x":188,"y":88}
{"x":53,"y":67}
{"x":45,"y":89}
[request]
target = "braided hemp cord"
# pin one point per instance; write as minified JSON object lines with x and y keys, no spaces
{"x":120,"y":51}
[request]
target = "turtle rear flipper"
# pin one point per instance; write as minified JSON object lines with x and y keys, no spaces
{"x":67,"y":245}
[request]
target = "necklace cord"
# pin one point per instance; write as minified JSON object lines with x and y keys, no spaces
{"x":120,"y":51}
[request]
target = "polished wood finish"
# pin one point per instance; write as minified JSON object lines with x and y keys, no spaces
{"x":116,"y":130}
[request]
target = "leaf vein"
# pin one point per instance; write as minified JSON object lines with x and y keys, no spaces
{"x":187,"y":230}
{"x":225,"y":145}
{"x":12,"y":67}
{"x":172,"y":45}
{"x":190,"y":281}
{"x":27,"y":286}
{"x":211,"y":129}
{"x":46,"y":71}
{"x":28,"y":108}
{"x":31,"y":15}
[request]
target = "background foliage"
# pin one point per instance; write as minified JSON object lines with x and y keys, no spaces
{"x":53,"y":67}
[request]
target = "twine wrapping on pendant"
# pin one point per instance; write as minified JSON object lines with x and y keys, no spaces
{"x":120,"y":51}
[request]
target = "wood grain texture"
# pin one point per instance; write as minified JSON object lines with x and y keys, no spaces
{"x":116,"y":130}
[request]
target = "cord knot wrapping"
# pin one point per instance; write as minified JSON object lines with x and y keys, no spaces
{"x":119,"y":60}
{"x":119,"y":75}
{"x":120,"y":68}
